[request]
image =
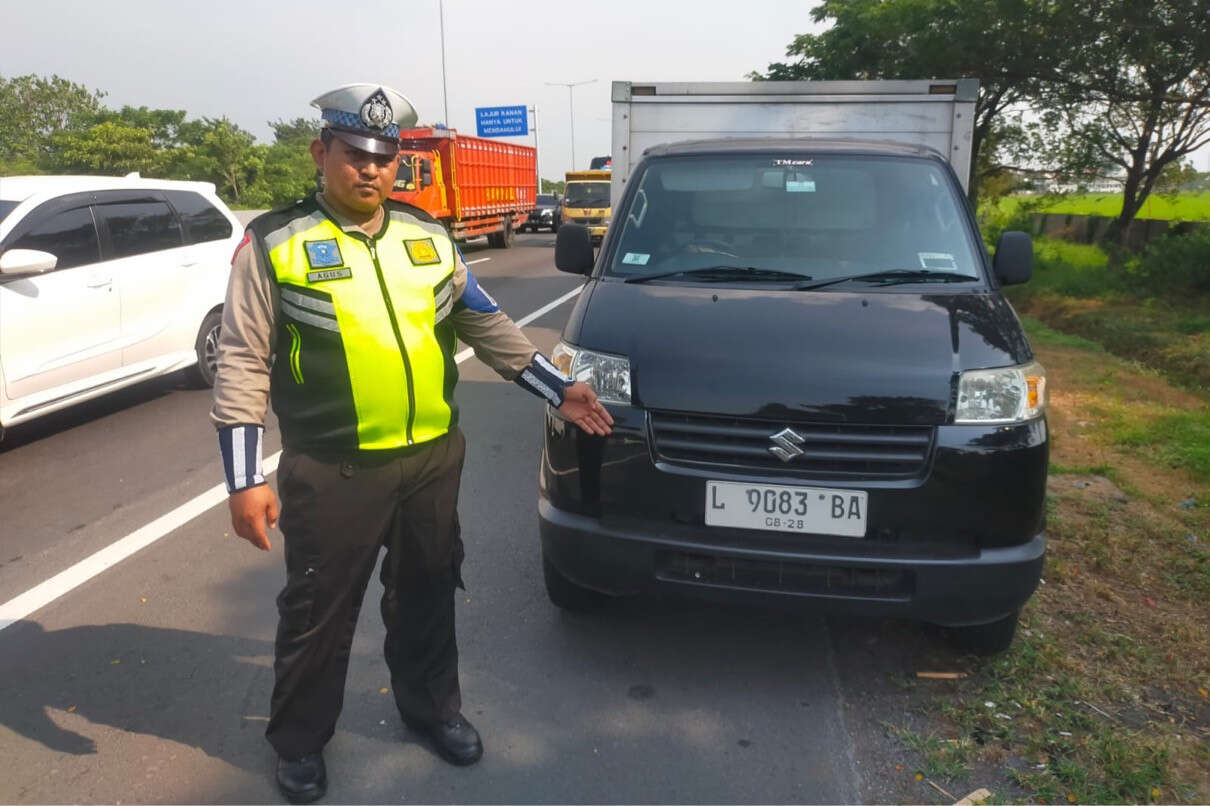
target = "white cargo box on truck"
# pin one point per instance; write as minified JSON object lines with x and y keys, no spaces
{"x":938,"y":114}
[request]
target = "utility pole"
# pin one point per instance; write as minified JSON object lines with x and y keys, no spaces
{"x":571,"y":106}
{"x":445,"y":98}
{"x":533,"y":111}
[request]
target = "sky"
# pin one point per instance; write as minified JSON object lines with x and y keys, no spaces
{"x":256,"y":61}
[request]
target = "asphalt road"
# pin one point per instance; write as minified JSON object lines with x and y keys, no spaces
{"x":150,"y":681}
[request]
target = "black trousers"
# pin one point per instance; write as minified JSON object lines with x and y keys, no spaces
{"x":335,"y":517}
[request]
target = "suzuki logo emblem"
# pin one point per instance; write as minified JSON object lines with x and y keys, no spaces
{"x":786,"y":444}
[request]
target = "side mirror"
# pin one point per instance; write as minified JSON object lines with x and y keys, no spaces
{"x":426,"y":173}
{"x":1014,"y":260}
{"x":27,"y":261}
{"x":573,"y":249}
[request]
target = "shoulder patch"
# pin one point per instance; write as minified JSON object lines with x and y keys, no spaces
{"x":475,"y":298}
{"x":247,"y":239}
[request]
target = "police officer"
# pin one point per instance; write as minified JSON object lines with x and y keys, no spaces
{"x":344,"y":310}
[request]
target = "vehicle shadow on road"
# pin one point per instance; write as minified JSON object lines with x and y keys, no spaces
{"x":91,"y":410}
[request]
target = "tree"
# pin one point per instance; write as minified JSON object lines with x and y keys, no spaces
{"x":1140,"y":96}
{"x":111,"y":147}
{"x":1009,"y":45}
{"x":33,"y":110}
{"x":295,"y":132}
{"x":553,"y":187}
{"x":223,"y":153}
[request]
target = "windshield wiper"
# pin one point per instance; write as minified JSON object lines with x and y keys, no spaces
{"x":724,"y":273}
{"x":893,"y":277}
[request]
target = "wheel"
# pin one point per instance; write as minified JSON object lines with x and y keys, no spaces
{"x":202,"y":373}
{"x":987,"y":639}
{"x":493,"y":240}
{"x":567,"y":595}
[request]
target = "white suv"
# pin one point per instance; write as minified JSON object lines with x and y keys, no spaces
{"x":105,"y":282}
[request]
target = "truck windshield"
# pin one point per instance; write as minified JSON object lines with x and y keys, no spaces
{"x":404,"y":175}
{"x":815,"y":217}
{"x":586,"y":194}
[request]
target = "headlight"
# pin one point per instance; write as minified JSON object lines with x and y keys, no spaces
{"x":608,"y":375}
{"x":1008,"y":395}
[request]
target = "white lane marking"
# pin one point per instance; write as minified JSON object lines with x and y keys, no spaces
{"x":480,"y":260}
{"x":64,"y":582}
{"x":468,"y":352}
{"x":41,"y":595}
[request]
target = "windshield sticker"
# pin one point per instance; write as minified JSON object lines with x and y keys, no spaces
{"x":940,"y":261}
{"x":636,"y":258}
{"x":800,"y":185}
{"x":780,"y":163}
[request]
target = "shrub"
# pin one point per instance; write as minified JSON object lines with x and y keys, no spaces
{"x":1174,"y":266}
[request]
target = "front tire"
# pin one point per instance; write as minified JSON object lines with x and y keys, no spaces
{"x":987,"y":639}
{"x":202,"y":373}
{"x":567,"y":595}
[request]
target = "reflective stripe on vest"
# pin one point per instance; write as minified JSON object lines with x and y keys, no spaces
{"x":377,"y":302}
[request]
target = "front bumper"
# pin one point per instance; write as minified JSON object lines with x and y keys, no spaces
{"x":950,"y":591}
{"x":962,"y":544}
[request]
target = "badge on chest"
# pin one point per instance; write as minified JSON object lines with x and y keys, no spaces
{"x":325,"y":260}
{"x":422,"y":252}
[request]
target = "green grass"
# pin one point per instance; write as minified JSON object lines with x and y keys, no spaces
{"x":1041,"y":333}
{"x":1177,"y":439}
{"x":1077,"y":299}
{"x":1180,"y":207}
{"x":1068,"y":752}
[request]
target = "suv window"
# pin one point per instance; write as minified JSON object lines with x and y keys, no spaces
{"x":7,"y":207}
{"x":136,"y":228}
{"x":70,"y":236}
{"x":203,"y":221}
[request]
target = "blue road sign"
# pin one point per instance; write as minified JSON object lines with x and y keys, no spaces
{"x":501,"y":121}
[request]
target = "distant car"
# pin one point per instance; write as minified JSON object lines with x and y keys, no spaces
{"x":104,"y":282}
{"x":546,"y":215}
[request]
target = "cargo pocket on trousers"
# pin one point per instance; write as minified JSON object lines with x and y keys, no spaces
{"x":296,"y":602}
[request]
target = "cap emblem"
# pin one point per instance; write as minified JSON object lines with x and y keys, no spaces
{"x":376,"y":112}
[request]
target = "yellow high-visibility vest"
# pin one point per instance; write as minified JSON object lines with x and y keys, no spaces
{"x":364,"y":344}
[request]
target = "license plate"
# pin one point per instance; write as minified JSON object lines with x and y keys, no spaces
{"x":776,"y":508}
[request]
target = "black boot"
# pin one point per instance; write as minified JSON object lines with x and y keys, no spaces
{"x":456,"y":740}
{"x":302,"y":779}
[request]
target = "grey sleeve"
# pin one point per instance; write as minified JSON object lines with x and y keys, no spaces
{"x":499,"y":343}
{"x":245,"y":357}
{"x":246,"y":344}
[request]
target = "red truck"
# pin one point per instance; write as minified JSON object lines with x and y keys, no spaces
{"x":472,"y":185}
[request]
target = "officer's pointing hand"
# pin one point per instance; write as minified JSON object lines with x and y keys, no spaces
{"x":251,"y":510}
{"x":580,"y":405}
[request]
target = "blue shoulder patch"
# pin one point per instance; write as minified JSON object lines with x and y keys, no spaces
{"x":475,"y":298}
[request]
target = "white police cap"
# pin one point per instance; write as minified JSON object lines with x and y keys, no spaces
{"x":367,"y":116}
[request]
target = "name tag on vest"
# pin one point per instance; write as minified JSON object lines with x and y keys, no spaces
{"x":330,"y":274}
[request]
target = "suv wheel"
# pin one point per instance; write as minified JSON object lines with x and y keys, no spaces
{"x":567,"y":595}
{"x":202,"y":373}
{"x":988,"y":639}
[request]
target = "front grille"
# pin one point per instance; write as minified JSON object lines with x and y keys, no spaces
{"x":588,"y":222}
{"x":801,"y":579}
{"x":833,"y":450}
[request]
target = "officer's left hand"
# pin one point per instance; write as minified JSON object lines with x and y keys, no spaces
{"x":580,"y":405}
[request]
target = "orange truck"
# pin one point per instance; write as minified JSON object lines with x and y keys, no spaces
{"x":474,"y":186}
